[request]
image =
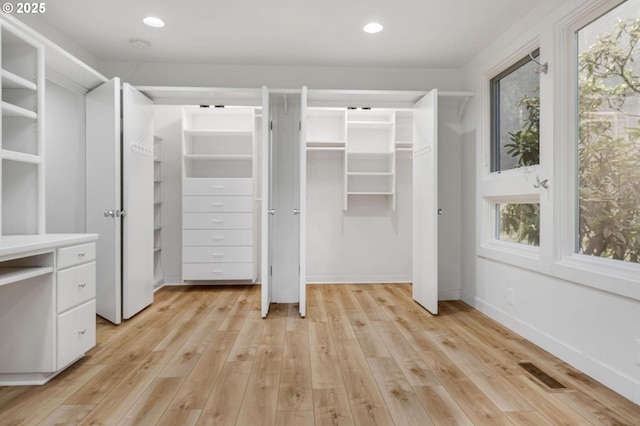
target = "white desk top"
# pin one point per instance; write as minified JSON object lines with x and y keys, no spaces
{"x":15,"y":245}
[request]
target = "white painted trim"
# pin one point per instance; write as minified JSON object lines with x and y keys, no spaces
{"x":627,"y":386}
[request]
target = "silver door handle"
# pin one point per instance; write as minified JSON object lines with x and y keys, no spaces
{"x":296,"y":211}
{"x":271,"y":212}
{"x":108,"y":213}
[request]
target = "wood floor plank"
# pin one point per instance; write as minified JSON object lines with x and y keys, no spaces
{"x":195,"y":390}
{"x":367,"y":404}
{"x":325,"y":370}
{"x":223,"y":405}
{"x":152,"y":404}
{"x":331,"y":407}
{"x":179,"y":417}
{"x":203,"y":355}
{"x":67,"y":415}
{"x":402,"y":402}
{"x":412,"y":365}
{"x":441,"y":406}
{"x":295,"y":393}
{"x":295,"y":418}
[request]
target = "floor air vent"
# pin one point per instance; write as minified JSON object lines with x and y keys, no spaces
{"x":536,"y":372}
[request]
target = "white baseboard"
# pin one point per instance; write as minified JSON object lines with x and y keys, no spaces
{"x":363,"y":279}
{"x":613,"y":379}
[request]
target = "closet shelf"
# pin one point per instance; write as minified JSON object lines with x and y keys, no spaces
{"x":370,"y":193}
{"x":370,"y":124}
{"x":327,"y":143}
{"x":218,"y":132}
{"x":10,"y":110}
{"x":325,"y":148}
{"x":21,"y":157}
{"x":13,"y":81}
{"x":13,"y":275}
{"x":369,"y":154}
{"x":369,"y":173}
{"x":217,"y":157}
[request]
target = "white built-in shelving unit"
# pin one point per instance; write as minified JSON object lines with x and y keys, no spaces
{"x":370,"y":139}
{"x":219,"y":172}
{"x":158,"y":274}
{"x":22,"y":153}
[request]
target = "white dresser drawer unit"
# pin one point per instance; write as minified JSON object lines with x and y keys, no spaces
{"x":217,"y":254}
{"x":217,"y":203}
{"x":217,"y":221}
{"x":217,"y":271}
{"x":210,"y":186}
{"x":75,"y":255}
{"x":221,"y":237}
{"x":76,"y":285}
{"x":76,"y":332}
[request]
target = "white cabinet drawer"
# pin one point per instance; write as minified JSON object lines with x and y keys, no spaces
{"x":76,"y":285}
{"x":76,"y":333}
{"x":217,"y":203}
{"x":204,"y":186}
{"x":75,"y":255}
{"x":217,"y":271}
{"x":221,"y":237}
{"x":217,"y":254}
{"x":217,"y":221}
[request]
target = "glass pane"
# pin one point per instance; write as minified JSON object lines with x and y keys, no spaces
{"x":519,"y":223}
{"x":609,"y":134}
{"x":516,"y":117}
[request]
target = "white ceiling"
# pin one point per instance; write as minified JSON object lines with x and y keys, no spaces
{"x":417,"y":33}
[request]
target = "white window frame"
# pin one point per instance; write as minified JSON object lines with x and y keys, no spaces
{"x":606,"y":274}
{"x":507,"y":186}
{"x":556,"y":256}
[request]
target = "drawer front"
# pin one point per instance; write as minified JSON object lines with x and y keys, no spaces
{"x":204,"y":186}
{"x":76,"y":285}
{"x":217,"y":221}
{"x":217,"y":271}
{"x":75,"y":255}
{"x":76,"y":333}
{"x":222,"y":237}
{"x":217,"y":203}
{"x":217,"y":254}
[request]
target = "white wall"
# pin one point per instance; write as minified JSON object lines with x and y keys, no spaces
{"x":65,"y":160}
{"x":591,"y":329}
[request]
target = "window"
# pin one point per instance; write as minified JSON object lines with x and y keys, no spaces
{"x":515,"y":116}
{"x":518,"y":223}
{"x":514,"y":150}
{"x":608,"y":133}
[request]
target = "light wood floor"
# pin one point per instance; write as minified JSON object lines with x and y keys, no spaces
{"x":365,"y":355}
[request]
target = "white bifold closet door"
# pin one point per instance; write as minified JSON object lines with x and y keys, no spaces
{"x":425,"y":202}
{"x":283,"y":198}
{"x":119,"y":197}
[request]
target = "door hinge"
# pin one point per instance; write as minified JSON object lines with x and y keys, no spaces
{"x":271,"y":125}
{"x":115,"y":213}
{"x":271,"y":270}
{"x":300,"y":125}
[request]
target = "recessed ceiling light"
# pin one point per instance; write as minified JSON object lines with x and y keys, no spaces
{"x":372,"y":28}
{"x":153,"y":22}
{"x":140,"y":44}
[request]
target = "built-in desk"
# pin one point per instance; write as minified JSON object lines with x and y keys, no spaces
{"x":47,"y":304}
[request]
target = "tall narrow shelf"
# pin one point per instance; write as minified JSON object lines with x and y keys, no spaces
{"x":218,"y":218}
{"x":158,"y":274}
{"x":370,"y":154}
{"x":22,"y":154}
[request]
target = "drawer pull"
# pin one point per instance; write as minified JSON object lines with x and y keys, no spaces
{"x":82,"y":285}
{"x":217,"y":204}
{"x":218,"y":272}
{"x":217,"y":187}
{"x":82,"y":331}
{"x":218,"y":221}
{"x":81,"y":254}
{"x":216,"y":238}
{"x":218,"y":254}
